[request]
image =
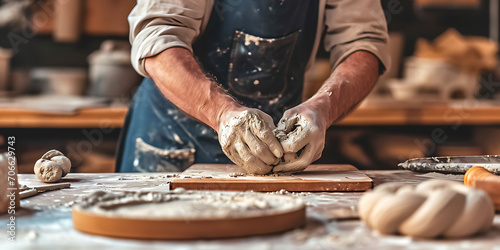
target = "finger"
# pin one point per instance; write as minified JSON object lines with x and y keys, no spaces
{"x":259,"y":148}
{"x":251,"y":163}
{"x":317,"y":156}
{"x":299,"y":164}
{"x":262,"y":131}
{"x":319,"y":150}
{"x":288,"y":157}
{"x":233,"y":155}
{"x":291,"y":167}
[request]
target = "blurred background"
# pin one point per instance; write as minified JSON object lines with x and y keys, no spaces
{"x":66,"y":81}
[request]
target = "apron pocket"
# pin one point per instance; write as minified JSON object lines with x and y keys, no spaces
{"x":259,"y":66}
{"x":148,"y":158}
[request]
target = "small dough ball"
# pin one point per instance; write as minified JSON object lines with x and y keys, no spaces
{"x":48,"y":171}
{"x":64,"y":162}
{"x":52,"y":153}
{"x":52,"y":166}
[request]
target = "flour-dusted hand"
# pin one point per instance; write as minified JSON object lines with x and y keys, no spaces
{"x":246,"y":137}
{"x":301,"y":133}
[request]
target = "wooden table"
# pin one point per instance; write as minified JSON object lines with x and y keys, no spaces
{"x":45,"y":220}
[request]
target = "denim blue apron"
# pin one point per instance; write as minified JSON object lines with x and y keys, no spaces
{"x":257,"y":50}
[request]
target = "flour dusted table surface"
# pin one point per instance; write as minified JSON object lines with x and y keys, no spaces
{"x":45,"y":220}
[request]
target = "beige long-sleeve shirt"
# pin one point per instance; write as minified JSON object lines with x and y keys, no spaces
{"x":351,"y":25}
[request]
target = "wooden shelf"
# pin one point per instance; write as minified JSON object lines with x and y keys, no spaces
{"x":106,"y":117}
{"x":460,"y":113}
{"x":382,"y":115}
{"x":101,"y":17}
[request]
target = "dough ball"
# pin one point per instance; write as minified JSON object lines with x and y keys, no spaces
{"x":64,"y":162}
{"x":435,"y":208}
{"x":52,"y":166}
{"x":52,"y":153}
{"x":48,"y":171}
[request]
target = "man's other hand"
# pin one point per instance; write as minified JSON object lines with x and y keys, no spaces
{"x":302,"y":133}
{"x":246,"y":137}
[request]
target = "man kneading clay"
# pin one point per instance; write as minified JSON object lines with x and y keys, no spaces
{"x":220,"y":74}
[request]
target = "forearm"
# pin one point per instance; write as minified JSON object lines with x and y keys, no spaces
{"x":181,"y":80}
{"x":348,"y":84}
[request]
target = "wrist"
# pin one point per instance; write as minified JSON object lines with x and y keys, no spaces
{"x":224,"y":112}
{"x":321,"y":104}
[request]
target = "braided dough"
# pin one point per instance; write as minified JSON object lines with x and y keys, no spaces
{"x":433,"y":208}
{"x":52,"y":166}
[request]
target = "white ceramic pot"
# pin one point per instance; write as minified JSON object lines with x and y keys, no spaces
{"x":111,"y":73}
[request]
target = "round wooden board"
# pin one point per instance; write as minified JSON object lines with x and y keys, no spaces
{"x":167,"y":228}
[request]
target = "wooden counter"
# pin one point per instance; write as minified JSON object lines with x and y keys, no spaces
{"x":44,"y":222}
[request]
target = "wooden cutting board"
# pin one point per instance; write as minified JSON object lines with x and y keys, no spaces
{"x":314,"y":178}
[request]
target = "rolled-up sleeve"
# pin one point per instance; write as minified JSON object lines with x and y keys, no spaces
{"x":353,"y":25}
{"x":156,"y":25}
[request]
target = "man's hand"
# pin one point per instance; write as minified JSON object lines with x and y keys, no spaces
{"x":301,"y":132}
{"x":302,"y":129}
{"x":246,"y":137}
